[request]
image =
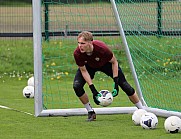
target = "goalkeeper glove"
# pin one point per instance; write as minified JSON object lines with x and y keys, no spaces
{"x":116,"y":87}
{"x":96,"y":95}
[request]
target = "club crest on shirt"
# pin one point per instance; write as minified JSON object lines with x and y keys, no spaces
{"x":97,"y":58}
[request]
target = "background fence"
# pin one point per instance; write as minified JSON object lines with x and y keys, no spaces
{"x":16,"y":19}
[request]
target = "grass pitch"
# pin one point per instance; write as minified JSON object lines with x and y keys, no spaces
{"x":17,"y":65}
{"x":19,"y":125}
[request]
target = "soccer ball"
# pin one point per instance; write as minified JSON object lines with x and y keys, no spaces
{"x":172,"y":124}
{"x":106,"y":98}
{"x":28,"y":92}
{"x":30,"y":81}
{"x":149,"y":120}
{"x":137,"y":116}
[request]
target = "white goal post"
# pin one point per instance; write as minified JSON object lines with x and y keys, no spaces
{"x":38,"y":100}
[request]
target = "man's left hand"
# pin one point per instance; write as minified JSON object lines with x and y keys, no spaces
{"x":116,"y":87}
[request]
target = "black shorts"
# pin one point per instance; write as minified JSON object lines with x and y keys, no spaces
{"x":107,"y":69}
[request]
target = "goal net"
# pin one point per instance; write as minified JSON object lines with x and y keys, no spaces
{"x":145,"y":37}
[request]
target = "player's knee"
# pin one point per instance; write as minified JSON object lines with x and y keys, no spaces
{"x":79,"y":91}
{"x":128,"y":89}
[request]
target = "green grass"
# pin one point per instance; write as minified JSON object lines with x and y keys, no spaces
{"x":19,"y":125}
{"x":16,"y":57}
{"x":16,"y":66}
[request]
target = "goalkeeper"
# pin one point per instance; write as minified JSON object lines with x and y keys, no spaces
{"x":92,"y":56}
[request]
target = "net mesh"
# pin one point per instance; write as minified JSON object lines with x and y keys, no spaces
{"x":153,"y":34}
{"x":65,"y":21}
{"x":156,"y":57}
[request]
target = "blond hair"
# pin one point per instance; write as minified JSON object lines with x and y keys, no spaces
{"x":86,"y":35}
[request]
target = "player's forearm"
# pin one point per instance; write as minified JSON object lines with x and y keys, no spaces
{"x":115,"y":69}
{"x":86,"y":76}
{"x":114,"y":66}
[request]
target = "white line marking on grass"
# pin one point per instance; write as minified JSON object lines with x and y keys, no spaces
{"x":5,"y":107}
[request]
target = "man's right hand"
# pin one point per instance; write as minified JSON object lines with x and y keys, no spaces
{"x":95,"y":93}
{"x":95,"y":97}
